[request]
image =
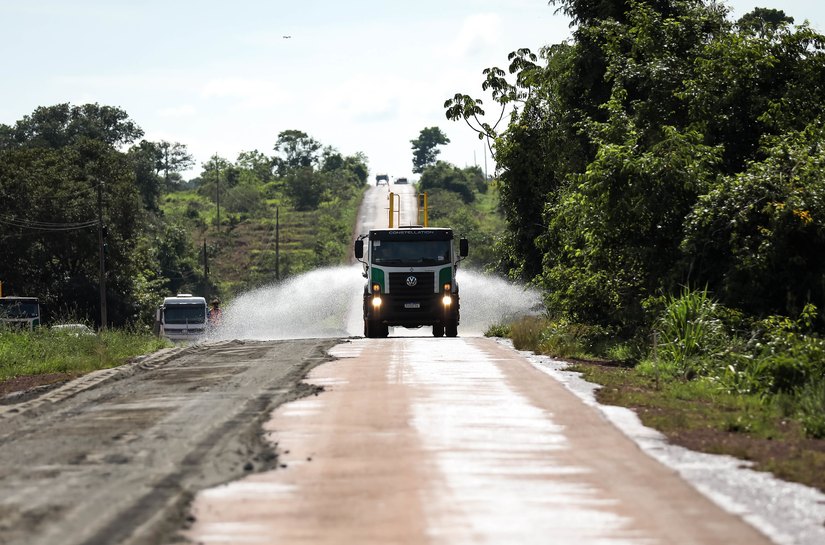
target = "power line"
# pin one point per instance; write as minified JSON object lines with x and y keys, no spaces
{"x":45,"y":225}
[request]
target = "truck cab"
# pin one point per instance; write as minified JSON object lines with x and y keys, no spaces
{"x":20,"y":312}
{"x":182,"y":317}
{"x":411,"y":279}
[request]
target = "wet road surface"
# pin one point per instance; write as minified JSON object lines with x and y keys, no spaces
{"x":436,"y":441}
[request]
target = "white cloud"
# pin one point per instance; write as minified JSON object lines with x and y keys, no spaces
{"x":478,"y":32}
{"x":249,"y":93}
{"x":185,"y":110}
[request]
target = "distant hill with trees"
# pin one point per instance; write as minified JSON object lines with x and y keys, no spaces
{"x":63,"y":166}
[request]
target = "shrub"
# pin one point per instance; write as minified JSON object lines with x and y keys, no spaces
{"x":498,"y":330}
{"x":812,"y":407}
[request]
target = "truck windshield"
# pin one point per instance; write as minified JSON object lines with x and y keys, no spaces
{"x":19,"y":309}
{"x":184,"y":314}
{"x":410,"y":252}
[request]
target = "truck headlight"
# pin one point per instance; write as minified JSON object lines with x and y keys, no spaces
{"x":447,"y":300}
{"x":447,"y":287}
{"x":376,"y":302}
{"x":376,"y":288}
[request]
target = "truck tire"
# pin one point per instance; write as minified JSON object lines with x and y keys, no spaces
{"x":451,"y":329}
{"x":375,"y":330}
{"x":438,"y":330}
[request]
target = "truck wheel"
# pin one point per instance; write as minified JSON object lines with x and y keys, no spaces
{"x":451,"y":329}
{"x":438,"y":330}
{"x":372,"y":330}
{"x":375,"y":330}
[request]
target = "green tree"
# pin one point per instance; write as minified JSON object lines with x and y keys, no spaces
{"x":63,"y":124}
{"x":146,"y":158}
{"x":49,"y":227}
{"x":256,"y":163}
{"x":656,"y":121}
{"x":463,"y":182}
{"x":757,"y":238}
{"x":425,"y":147}
{"x":174,"y":159}
{"x":296,"y":150}
{"x":764,"y":20}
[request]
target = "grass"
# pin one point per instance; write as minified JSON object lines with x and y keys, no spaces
{"x":49,"y":352}
{"x":698,"y":416}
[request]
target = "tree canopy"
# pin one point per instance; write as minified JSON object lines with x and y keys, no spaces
{"x":425,"y":148}
{"x":664,"y":146}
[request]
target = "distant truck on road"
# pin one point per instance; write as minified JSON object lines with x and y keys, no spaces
{"x":181,"y":318}
{"x":411,"y":279}
{"x":20,"y":312}
{"x":385,"y":178}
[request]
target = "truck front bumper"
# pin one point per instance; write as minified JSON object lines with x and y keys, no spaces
{"x":403,"y":311}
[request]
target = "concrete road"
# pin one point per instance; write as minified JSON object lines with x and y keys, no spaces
{"x":453,"y":441}
{"x":413,"y":440}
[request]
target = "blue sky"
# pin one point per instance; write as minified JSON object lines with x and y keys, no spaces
{"x":361,"y":75}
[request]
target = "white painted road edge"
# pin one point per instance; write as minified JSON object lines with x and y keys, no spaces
{"x":788,"y":513}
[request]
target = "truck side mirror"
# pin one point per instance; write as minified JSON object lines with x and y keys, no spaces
{"x":359,"y":249}
{"x":463,"y":247}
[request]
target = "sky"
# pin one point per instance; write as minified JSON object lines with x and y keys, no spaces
{"x":226,"y":77}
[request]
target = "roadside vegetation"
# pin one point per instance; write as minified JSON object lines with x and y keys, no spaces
{"x":46,"y":356}
{"x":662,"y":182}
{"x":63,"y":167}
{"x":311,"y":192}
{"x":70,"y":175}
{"x":461,"y":198}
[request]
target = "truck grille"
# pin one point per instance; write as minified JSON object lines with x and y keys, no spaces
{"x":424,"y":284}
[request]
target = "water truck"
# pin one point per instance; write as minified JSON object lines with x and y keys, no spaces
{"x":181,"y":318}
{"x":411,"y":279}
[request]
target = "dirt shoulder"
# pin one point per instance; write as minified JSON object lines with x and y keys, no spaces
{"x":116,"y":459}
{"x":715,"y":423}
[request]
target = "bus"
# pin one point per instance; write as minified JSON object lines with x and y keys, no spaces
{"x":182,"y":318}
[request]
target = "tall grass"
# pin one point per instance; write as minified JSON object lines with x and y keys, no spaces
{"x":559,"y":338}
{"x":688,"y":329}
{"x":46,"y":351}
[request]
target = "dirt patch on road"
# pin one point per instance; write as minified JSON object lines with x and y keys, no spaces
{"x":117,"y":459}
{"x":39,"y":382}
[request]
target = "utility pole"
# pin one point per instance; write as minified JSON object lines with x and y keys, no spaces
{"x":277,"y":245}
{"x":101,"y":250}
{"x":218,"y":191}
{"x":205,"y":271}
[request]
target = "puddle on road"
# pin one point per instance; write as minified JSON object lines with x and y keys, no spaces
{"x":502,"y":477}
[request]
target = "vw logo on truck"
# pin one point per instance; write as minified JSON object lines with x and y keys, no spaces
{"x":412,"y":281}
